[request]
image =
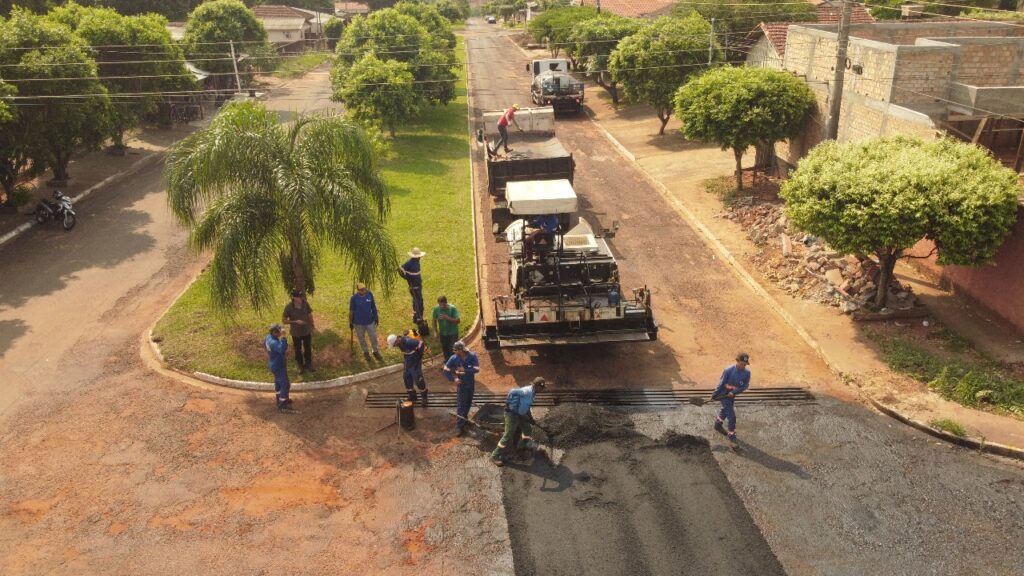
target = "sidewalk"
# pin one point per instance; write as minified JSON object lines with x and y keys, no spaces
{"x":679,"y":168}
{"x":96,"y":167}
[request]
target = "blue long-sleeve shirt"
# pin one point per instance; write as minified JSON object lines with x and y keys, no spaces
{"x":470,"y":365}
{"x":411,"y":272}
{"x":362,"y":309}
{"x":275,"y":352}
{"x":412,"y":350}
{"x":520,"y":400}
{"x":732,"y":376}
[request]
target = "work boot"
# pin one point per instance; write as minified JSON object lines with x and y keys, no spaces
{"x":412,"y":396}
{"x":732,"y":438}
{"x":376,"y":354}
{"x":718,"y":427}
{"x":497,"y":462}
{"x":366,"y":356}
{"x":424,"y":398}
{"x":459,"y":432}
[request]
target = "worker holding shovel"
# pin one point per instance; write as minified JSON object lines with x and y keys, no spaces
{"x":518,"y":420}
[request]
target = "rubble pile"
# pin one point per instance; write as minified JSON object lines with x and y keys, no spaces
{"x":806,"y":267}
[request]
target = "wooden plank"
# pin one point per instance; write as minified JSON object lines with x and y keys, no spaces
{"x":981,"y":128}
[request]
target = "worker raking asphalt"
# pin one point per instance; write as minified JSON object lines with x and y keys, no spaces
{"x":619,"y":502}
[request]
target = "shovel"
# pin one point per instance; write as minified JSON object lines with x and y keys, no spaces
{"x":475,"y":425}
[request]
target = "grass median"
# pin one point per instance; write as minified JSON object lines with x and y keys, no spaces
{"x":430,"y":208}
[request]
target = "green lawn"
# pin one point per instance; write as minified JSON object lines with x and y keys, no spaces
{"x":292,"y":67}
{"x":431,"y":208}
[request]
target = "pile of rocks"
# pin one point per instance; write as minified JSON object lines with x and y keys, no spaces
{"x":806,"y":267}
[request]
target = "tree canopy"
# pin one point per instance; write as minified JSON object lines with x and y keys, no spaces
{"x":379,"y":92}
{"x":172,"y":9}
{"x":451,"y":10}
{"x":659,"y":58}
{"x":267,"y":197}
{"x":593,"y":40}
{"x":61,"y":104}
{"x":882,"y":196}
{"x":555,"y":26}
{"x":429,"y":17}
{"x":734,"y":19}
{"x":152,"y":66}
{"x":741,"y":107}
{"x":390,"y":35}
{"x":213,"y":25}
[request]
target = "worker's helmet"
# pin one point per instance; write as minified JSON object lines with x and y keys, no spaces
{"x":515,"y":106}
{"x":391,"y":340}
{"x":539,"y":382}
{"x":459,"y":346}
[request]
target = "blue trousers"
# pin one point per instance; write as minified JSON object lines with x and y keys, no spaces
{"x":417,"y":302}
{"x":728,"y":413}
{"x":281,"y":385}
{"x":414,"y":375}
{"x":463,"y":400}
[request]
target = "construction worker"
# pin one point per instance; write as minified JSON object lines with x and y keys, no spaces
{"x":276,"y":345}
{"x":462,"y":368}
{"x":410,"y":271}
{"x":518,"y":420}
{"x":412,"y":348}
{"x":508,"y":116}
{"x":734,"y":381}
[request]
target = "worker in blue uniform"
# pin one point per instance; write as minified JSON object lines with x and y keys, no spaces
{"x":518,"y":420}
{"x":412,"y":349}
{"x":734,"y":381}
{"x":462,"y":368}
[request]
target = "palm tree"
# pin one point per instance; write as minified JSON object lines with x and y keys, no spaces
{"x":268,"y":196}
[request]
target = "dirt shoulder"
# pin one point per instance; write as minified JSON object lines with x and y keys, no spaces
{"x":681,"y":167}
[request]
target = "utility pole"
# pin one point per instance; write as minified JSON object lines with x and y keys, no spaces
{"x":836,"y":98}
{"x":234,"y":63}
{"x":711,"y":42}
{"x":598,"y":6}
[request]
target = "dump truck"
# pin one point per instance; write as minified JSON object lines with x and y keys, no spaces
{"x":533,"y":158}
{"x":564,"y":285}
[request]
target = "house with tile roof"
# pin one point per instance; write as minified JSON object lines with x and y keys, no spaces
{"x":287,"y":28}
{"x":631,"y":8}
{"x":767,"y":42}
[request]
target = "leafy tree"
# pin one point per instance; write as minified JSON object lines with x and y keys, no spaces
{"x":390,"y":35}
{"x":882,"y":196}
{"x":741,"y":107}
{"x":214,"y":24}
{"x":734,"y":19}
{"x":61,"y":105}
{"x":333,"y":29}
{"x":428,"y":16}
{"x":378,"y":91}
{"x":653,"y":63}
{"x":266,"y":196}
{"x":451,"y":10}
{"x":555,"y":26}
{"x":380,"y":4}
{"x":891,"y":9}
{"x":153,"y":64}
{"x":6,"y":114}
{"x":593,"y":40}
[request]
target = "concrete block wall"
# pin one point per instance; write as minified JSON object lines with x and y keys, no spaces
{"x":922,"y":74}
{"x":990,"y":64}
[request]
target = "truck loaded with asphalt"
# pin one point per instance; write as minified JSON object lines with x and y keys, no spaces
{"x":553,"y":86}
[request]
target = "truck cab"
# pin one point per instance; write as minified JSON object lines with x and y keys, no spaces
{"x":536,"y":67}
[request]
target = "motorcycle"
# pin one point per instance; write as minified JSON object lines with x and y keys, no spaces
{"x":59,"y":210}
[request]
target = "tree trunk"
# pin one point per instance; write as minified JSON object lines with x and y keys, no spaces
{"x":886,"y":263}
{"x":738,"y":153}
{"x":60,"y":166}
{"x":298,"y":272}
{"x":614,"y":89}
{"x":391,"y":129}
{"x":765,"y":157}
{"x":663,"y":115}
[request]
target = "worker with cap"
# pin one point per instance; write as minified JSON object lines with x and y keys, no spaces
{"x":298,"y":315}
{"x":276,"y":344}
{"x":518,"y":420}
{"x":462,"y":368}
{"x":734,"y":381}
{"x":363,"y":318}
{"x":508,"y":116}
{"x":411,"y":271}
{"x":412,"y":350}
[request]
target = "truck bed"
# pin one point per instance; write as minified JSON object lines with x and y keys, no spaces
{"x":532,"y":158}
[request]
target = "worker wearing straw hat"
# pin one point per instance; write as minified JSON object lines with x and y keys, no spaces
{"x":410,"y":270}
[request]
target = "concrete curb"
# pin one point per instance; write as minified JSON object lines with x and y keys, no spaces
{"x":131,"y":169}
{"x":965,"y":441}
{"x":741,"y":272}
